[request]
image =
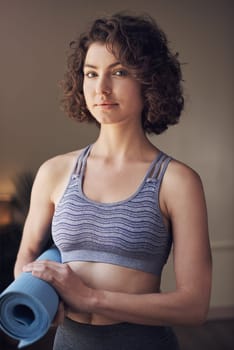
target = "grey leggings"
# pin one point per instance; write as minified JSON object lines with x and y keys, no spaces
{"x":123,"y":336}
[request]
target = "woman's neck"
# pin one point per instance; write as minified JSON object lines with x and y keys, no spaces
{"x":114,"y":142}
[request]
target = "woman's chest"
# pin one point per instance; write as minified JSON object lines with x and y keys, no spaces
{"x":108,"y":184}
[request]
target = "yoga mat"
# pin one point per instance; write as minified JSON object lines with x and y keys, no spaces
{"x":29,"y":304}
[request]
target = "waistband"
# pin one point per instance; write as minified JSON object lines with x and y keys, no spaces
{"x":113,"y":329}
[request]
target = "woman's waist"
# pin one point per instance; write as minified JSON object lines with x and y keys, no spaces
{"x":91,"y":318}
{"x":112,"y":278}
{"x":116,"y":278}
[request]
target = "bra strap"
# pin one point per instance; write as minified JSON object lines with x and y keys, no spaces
{"x":161,"y":167}
{"x":80,"y":163}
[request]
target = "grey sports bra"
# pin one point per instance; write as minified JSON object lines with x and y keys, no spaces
{"x":129,"y":233}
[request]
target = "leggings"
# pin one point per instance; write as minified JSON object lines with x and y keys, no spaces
{"x":122,"y":336}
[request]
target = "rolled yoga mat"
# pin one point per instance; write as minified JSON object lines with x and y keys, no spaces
{"x":29,"y":304}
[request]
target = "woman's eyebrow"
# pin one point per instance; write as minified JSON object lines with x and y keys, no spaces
{"x":87,"y":65}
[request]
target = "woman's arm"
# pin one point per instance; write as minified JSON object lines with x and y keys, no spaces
{"x":37,"y":224}
{"x":183,"y":198}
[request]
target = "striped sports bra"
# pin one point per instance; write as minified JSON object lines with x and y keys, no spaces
{"x":129,"y":233}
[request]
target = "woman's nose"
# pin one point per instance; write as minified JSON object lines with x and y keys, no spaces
{"x":103,"y":86}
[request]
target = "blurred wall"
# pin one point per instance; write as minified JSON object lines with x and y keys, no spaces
{"x":34,"y":37}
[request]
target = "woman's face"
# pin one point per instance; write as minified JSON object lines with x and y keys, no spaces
{"x":112,"y":93}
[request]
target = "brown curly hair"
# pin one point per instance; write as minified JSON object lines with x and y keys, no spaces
{"x":143,"y":47}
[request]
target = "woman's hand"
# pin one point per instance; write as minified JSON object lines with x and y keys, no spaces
{"x":75,"y":294}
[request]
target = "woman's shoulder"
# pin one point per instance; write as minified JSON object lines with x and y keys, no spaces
{"x":54,"y":172}
{"x":59,"y":165}
{"x":181,"y":188}
{"x":181,"y":172}
{"x":181,"y":179}
{"x":60,"y":161}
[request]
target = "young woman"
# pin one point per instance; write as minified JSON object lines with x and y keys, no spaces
{"x":117,"y":206}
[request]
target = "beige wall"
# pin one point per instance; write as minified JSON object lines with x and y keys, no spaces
{"x":33,"y":40}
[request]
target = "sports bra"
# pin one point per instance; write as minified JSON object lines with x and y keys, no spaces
{"x":129,"y":233}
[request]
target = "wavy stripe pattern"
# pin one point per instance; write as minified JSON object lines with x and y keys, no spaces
{"x":130,"y":233}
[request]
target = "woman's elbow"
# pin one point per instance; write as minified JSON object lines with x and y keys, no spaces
{"x":197,"y":315}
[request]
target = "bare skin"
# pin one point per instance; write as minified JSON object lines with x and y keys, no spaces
{"x":101,"y":293}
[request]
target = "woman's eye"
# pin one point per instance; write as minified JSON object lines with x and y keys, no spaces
{"x":121,"y":73}
{"x":90,"y":74}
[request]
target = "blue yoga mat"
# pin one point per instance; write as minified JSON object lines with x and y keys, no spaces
{"x":28,"y":305}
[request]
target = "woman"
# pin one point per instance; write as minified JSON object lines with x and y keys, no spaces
{"x":117,"y":205}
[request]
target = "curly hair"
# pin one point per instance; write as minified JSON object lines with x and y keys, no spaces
{"x":143,"y":47}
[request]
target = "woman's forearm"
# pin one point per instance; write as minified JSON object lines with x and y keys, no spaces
{"x":29,"y":250}
{"x":179,"y":307}
{"x":23,"y":258}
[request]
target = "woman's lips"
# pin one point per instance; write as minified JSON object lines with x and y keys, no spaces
{"x":106,"y":104}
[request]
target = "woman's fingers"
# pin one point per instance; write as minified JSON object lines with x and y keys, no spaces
{"x":47,"y":270}
{"x":72,"y":290}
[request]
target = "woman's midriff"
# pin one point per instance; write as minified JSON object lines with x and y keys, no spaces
{"x":97,"y":275}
